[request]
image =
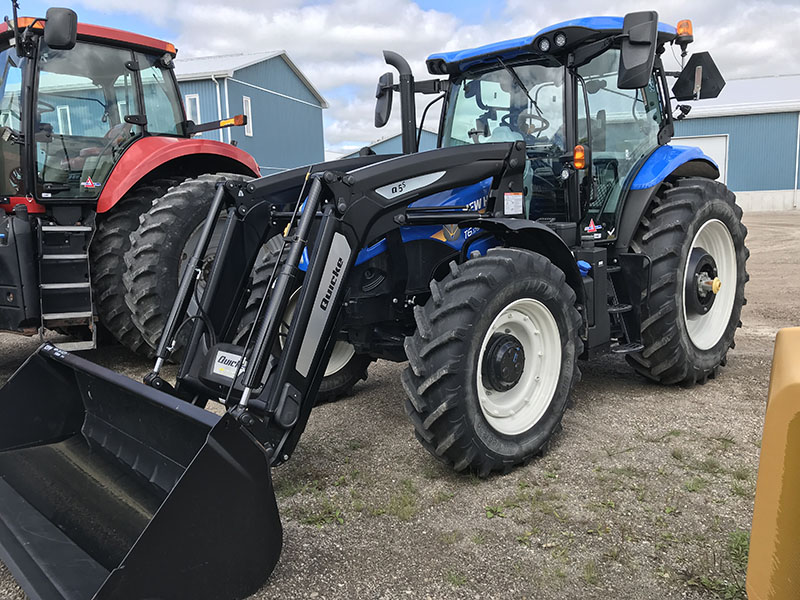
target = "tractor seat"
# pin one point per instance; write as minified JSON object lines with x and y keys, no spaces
{"x":76,"y":163}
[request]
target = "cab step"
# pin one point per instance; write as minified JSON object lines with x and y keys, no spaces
{"x":616,"y":309}
{"x":629,"y":348}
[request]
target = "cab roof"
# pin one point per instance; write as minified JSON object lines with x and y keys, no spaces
{"x":98,"y":33}
{"x":577,"y":31}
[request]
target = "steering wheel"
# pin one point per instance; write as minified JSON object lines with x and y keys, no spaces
{"x":532,"y":123}
{"x":47,"y":106}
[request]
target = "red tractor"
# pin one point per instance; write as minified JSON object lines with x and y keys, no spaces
{"x":93,"y":133}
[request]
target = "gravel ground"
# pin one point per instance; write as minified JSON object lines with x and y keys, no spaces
{"x":647,"y":493}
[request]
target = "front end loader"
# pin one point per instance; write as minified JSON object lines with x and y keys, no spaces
{"x":554,"y":223}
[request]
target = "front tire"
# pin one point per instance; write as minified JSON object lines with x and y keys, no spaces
{"x":694,"y":236}
{"x":493,"y":361}
{"x":159,"y":247}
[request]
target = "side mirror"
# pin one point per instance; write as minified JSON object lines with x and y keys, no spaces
{"x":699,"y":79}
{"x":384,"y":93}
{"x":61,"y":28}
{"x":638,"y":52}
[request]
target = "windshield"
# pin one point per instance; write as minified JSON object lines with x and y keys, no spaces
{"x":524,"y":102}
{"x":84,"y":95}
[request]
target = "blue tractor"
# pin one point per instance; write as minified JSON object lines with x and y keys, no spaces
{"x":554,"y":223}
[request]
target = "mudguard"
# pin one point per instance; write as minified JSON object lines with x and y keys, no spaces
{"x":148,"y":153}
{"x":530,"y":235}
{"x":665,"y":161}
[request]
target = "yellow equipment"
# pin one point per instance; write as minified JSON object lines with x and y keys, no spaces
{"x":773,"y":570}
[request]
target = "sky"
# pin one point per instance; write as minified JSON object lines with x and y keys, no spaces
{"x":338,"y":43}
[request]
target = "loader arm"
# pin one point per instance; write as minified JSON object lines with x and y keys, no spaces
{"x":343,"y":211}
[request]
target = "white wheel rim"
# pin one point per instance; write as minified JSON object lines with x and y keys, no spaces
{"x":342,"y":351}
{"x":706,"y":330}
{"x":516,"y":410}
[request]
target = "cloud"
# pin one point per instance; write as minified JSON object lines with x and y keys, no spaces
{"x":338,"y":43}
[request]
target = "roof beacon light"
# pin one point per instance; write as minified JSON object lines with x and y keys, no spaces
{"x":560,"y":39}
{"x":579,"y":157}
{"x":544,"y":44}
{"x":685,"y":29}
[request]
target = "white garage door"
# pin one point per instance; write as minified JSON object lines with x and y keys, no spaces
{"x":715,"y":146}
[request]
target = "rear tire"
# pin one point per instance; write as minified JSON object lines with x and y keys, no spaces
{"x":345,"y":368}
{"x":158,"y":247}
{"x":107,"y":252}
{"x":478,"y":399}
{"x":683,"y":344}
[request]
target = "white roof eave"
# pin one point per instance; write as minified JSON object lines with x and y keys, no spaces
{"x":735,"y":110}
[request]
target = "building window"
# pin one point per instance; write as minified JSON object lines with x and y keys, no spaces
{"x":248,"y":113}
{"x":122,"y":107}
{"x":193,"y":108}
{"x":64,"y":121}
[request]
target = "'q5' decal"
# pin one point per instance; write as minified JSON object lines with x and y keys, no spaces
{"x":404,"y":186}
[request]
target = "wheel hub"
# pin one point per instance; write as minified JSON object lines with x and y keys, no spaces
{"x":702,"y":283}
{"x":503,"y":362}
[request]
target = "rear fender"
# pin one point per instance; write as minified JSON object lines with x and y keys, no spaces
{"x":148,"y":154}
{"x":529,"y":235}
{"x":666,"y":162}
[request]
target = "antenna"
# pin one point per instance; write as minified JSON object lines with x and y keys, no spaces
{"x":14,"y":28}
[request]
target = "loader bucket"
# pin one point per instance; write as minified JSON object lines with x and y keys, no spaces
{"x":110,"y":489}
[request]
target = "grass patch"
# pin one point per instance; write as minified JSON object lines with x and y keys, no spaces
{"x":478,"y":538}
{"x":672,"y":433}
{"x":403,"y":503}
{"x":590,"y":574}
{"x":614,"y":554}
{"x":455,"y":578}
{"x":443,"y":496}
{"x":326,"y":513}
{"x":627,"y":471}
{"x":741,"y":473}
{"x":493,"y":512}
{"x":695,"y":485}
{"x":725,"y":440}
{"x":737,"y":489}
{"x":710,"y":465}
{"x":738,"y":546}
{"x":451,"y":537}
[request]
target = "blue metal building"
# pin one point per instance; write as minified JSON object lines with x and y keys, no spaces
{"x":752,"y":130}
{"x":394,"y":144}
{"x":283,"y":109}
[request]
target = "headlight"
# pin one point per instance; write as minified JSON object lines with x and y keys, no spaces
{"x":544,"y":44}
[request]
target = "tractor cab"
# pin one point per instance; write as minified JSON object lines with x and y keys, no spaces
{"x":570,"y":94}
{"x":588,"y":97}
{"x":91,"y":99}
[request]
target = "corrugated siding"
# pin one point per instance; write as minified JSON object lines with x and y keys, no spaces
{"x":286,"y":133}
{"x":274,"y":74}
{"x":207,"y":91}
{"x":761,"y":148}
